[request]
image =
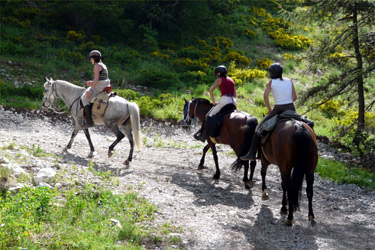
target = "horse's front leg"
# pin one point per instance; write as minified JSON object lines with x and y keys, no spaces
{"x":201,"y":163}
{"x":92,"y":150}
{"x":74,"y":134}
{"x":214,"y":153}
{"x":264,"y":186}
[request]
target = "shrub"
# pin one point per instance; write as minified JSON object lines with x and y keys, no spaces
{"x":236,"y":56}
{"x":240,"y":76}
{"x":265,"y":63}
{"x":128,"y":94}
{"x":156,"y":77}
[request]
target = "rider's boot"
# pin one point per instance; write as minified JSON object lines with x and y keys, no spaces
{"x":89,"y":121}
{"x":251,"y":155}
{"x":201,"y":134}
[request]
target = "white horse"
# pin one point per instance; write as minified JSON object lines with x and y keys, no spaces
{"x":120,"y":114}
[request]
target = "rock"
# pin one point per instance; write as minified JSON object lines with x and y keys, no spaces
{"x":44,"y":175}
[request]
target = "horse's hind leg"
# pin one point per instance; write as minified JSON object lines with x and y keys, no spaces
{"x":309,"y":192}
{"x":127,"y":130}
{"x":119,"y":137}
{"x":248,"y":183}
{"x":264,"y":186}
{"x":201,"y":163}
{"x":87,"y":134}
{"x":284,"y":209}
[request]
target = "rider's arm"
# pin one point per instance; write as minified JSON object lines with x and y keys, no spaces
{"x":294,"y":94}
{"x":213,"y":87}
{"x":97,"y":70}
{"x":266,"y":96}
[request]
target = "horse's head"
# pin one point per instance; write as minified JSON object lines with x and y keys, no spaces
{"x":196,"y":108}
{"x":49,"y":93}
{"x":188,"y":113}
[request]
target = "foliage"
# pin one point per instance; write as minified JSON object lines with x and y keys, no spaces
{"x":41,"y":218}
{"x":343,"y":173}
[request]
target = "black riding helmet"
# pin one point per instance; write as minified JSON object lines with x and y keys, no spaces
{"x":96,"y":55}
{"x":222,"y":70}
{"x":276,"y":71}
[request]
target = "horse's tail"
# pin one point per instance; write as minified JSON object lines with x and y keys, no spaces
{"x":251,"y":124}
{"x":303,"y":140}
{"x":136,"y":124}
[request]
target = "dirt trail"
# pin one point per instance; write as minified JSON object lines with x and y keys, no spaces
{"x":213,"y":214}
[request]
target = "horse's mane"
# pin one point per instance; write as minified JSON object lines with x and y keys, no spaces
{"x":202,"y":100}
{"x":69,"y":83}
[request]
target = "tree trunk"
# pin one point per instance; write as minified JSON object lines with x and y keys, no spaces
{"x":361,"y":97}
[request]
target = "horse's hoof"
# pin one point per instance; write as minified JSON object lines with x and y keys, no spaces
{"x":90,"y":155}
{"x":65,"y":150}
{"x":312,"y":221}
{"x":289,"y":222}
{"x":126,"y":162}
{"x":216,"y":177}
{"x":201,"y":167}
{"x":283,"y":211}
{"x":265,"y":196}
{"x":249,"y":184}
{"x":110,"y":153}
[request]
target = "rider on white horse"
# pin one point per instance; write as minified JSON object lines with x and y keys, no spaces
{"x":97,"y":85}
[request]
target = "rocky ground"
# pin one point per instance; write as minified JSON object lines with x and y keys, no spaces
{"x":213,"y":214}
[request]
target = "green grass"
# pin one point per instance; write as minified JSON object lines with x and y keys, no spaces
{"x":38,"y":218}
{"x":343,"y":173}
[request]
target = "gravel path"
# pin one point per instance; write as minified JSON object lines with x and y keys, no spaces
{"x":213,"y":214}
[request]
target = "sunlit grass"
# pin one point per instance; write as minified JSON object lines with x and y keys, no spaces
{"x":343,"y":173}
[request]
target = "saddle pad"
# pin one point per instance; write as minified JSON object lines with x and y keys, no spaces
{"x":100,"y":104}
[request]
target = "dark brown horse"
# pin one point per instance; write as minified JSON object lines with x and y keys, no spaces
{"x":292,"y":147}
{"x":237,"y":131}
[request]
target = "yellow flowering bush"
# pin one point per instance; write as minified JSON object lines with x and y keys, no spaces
{"x":249,"y":33}
{"x":240,"y":76}
{"x":261,"y":12}
{"x":264,"y":64}
{"x":287,"y":56}
{"x":228,"y":43}
{"x":160,"y":54}
{"x":338,"y":58}
{"x":74,"y":36}
{"x":235,"y":56}
{"x":288,"y":41}
{"x":190,"y":64}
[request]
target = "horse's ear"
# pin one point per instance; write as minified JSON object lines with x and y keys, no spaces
{"x":186,"y":101}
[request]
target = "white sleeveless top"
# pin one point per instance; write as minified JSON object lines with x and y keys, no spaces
{"x":282,"y":91}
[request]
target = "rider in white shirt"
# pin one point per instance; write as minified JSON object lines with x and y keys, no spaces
{"x":284,"y":95}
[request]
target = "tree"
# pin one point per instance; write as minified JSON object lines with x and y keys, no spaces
{"x":348,"y":41}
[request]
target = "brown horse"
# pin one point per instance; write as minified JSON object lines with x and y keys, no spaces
{"x":291,"y":146}
{"x":237,"y":131}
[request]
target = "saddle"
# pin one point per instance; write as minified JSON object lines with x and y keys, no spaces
{"x":99,"y":103}
{"x":286,"y":115}
{"x":213,"y":123}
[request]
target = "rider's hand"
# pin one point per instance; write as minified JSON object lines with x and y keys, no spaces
{"x":89,"y":83}
{"x":88,"y":94}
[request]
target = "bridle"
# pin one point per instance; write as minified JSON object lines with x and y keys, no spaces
{"x":187,"y":116}
{"x":52,"y":92}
